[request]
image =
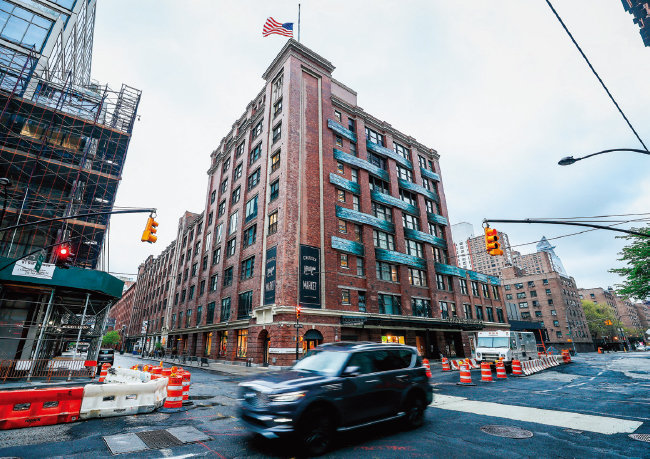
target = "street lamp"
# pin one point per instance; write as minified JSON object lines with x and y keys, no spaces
{"x":568,"y":160}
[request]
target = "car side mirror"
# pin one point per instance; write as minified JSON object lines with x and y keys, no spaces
{"x":350,"y":371}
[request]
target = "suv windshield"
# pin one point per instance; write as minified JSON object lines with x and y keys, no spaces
{"x":323,"y":362}
{"x":488,"y":341}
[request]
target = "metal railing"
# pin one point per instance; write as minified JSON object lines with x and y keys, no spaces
{"x":45,"y":368}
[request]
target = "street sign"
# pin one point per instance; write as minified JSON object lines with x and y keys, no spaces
{"x":297,"y":325}
{"x":39,"y":262}
{"x":26,"y":268}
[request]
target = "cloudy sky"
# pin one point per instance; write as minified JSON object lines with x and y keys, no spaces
{"x":497,"y":88}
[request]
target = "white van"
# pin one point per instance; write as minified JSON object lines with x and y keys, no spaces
{"x":509,"y":345}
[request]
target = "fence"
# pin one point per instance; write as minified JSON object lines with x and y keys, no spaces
{"x":46,"y":368}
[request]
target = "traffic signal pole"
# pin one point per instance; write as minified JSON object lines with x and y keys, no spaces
{"x":564,"y":222}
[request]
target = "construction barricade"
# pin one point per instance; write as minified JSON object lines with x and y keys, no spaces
{"x":39,"y":407}
{"x":120,"y":399}
{"x":465,"y":376}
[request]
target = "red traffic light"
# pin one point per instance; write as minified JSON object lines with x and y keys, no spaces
{"x":62,"y":255}
{"x":298,"y":311}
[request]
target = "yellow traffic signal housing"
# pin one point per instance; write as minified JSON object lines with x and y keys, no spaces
{"x":149,"y":231}
{"x":298,"y":311}
{"x":492,"y":245}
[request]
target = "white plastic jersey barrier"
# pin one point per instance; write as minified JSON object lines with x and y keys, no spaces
{"x":120,"y":399}
{"x":126,"y":375}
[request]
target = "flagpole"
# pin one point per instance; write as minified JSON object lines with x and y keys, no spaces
{"x":298,"y":22}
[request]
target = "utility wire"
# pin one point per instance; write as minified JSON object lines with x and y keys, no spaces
{"x":596,"y":73}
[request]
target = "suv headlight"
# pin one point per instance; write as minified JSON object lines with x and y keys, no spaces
{"x":287,"y":396}
{"x":478,"y":355}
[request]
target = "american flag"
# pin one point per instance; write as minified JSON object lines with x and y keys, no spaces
{"x":273,"y":26}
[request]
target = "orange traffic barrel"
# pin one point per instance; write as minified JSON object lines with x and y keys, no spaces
{"x":425,"y":362}
{"x":174,"y":392}
{"x":445,"y":364}
{"x":186,"y":384}
{"x":486,"y":372}
{"x":104,"y":372}
{"x":516,"y":368}
{"x":465,"y":376}
{"x":501,"y":370}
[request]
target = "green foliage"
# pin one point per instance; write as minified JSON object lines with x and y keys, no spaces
{"x":597,"y":315}
{"x":111,"y":338}
{"x":159,"y":346}
{"x":637,"y":271}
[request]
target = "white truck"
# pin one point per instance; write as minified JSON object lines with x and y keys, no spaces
{"x":509,"y":345}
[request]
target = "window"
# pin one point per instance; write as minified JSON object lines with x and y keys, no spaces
{"x":535,"y":304}
{"x":251,"y":209}
{"x":255,"y":153}
{"x":222,"y":208}
{"x":273,"y":223}
{"x":254,"y":179}
{"x":216,"y":256}
{"x":452,"y":309}
{"x":414,"y":248}
{"x":377,"y":160}
{"x":389,"y":304}
{"x":199,"y":310}
{"x":337,"y":115}
{"x":548,"y":291}
{"x":247,"y":268}
{"x":550,"y":302}
{"x":553,"y":312}
{"x":353,"y":149}
{"x":440,"y":282}
{"x":340,"y":195}
{"x":463,"y":286}
{"x":227,"y":277}
{"x":495,"y":291}
{"x":545,"y":281}
{"x":274,"y":190}
{"x":556,"y":323}
{"x":444,"y":310}
{"x":410,"y":221}
{"x":242,"y":343}
{"x":338,"y":140}
{"x":479,"y":312}
{"x":224,"y":185}
{"x":523,"y":304}
{"x":250,"y":235}
{"x":232,"y":227}
{"x":375,"y":137}
{"x":343,"y":227}
{"x":213,"y":283}
{"x":358,"y":233}
{"x":188,"y":318}
{"x":533,"y":294}
{"x":417,"y":277}
{"x":277,"y":132}
{"x":240,"y":150}
{"x":525,"y":315}
{"x":408,"y":197}
{"x":345,"y":296}
{"x":509,"y":296}
{"x":352,"y":125}
{"x":521,"y":295}
{"x":225,"y":310}
{"x":378,"y":185}
{"x":194,"y":269}
{"x":490,"y":313}
{"x":486,"y":291}
{"x":558,"y":334}
{"x":213,"y":196}
{"x":387,"y":272}
{"x":183,"y":295}
{"x":384,"y":240}
{"x":235,"y":196}
{"x":506,"y":287}
{"x":340,"y":168}
{"x":537,"y":313}
{"x":277,"y":108}
{"x":439,"y":255}
{"x":191,"y":292}
{"x":421,"y":307}
{"x":217,"y":233}
{"x":173,"y":325}
{"x":361,"y":298}
{"x":531,"y":284}
{"x":180,"y":319}
{"x":238,"y":172}
{"x":257,"y":130}
{"x":277,"y":88}
{"x":405,"y":174}
{"x":226,"y":164}
{"x":231,"y":247}
{"x":518,"y":286}
{"x":209,"y":318}
{"x":467,"y":309}
{"x":360,"y":269}
{"x":275,"y":161}
{"x":210,"y":218}
{"x":431,"y":207}
{"x":356,"y":203}
{"x":344,"y":260}
{"x":475,"y":288}
{"x":354,"y":175}
{"x":383,"y":212}
{"x":245,"y":304}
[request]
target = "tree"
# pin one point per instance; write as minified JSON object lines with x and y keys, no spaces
{"x":111,"y":338}
{"x":637,"y":271}
{"x":599,"y":316}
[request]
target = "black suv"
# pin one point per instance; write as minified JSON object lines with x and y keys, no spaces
{"x":105,"y":356}
{"x":338,"y":386}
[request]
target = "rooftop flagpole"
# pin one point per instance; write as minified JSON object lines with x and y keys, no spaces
{"x":298,"y":22}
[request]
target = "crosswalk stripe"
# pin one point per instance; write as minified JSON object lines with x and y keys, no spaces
{"x":599,"y":424}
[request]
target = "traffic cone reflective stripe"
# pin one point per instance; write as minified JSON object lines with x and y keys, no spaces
{"x":445,"y":364}
{"x":501,"y":370}
{"x":465,"y":376}
{"x":174,"y":392}
{"x":516,"y":368}
{"x":486,"y":372}
{"x":425,"y":362}
{"x":104,"y":372}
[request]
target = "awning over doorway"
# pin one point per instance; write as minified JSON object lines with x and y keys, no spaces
{"x":313,"y":335}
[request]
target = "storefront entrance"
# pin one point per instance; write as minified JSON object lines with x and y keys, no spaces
{"x":311,"y":339}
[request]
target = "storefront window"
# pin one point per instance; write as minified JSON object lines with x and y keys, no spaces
{"x":223,"y":343}
{"x":392,"y":339}
{"x":242,"y":343}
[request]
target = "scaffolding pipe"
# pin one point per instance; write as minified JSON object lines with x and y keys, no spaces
{"x":40,"y":336}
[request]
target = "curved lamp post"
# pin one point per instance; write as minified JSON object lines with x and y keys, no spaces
{"x":568,"y":160}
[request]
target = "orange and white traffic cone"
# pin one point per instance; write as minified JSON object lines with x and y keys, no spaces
{"x":465,"y":376}
{"x":104,"y":372}
{"x":174,"y":392}
{"x":186,"y":385}
{"x":445,"y":364}
{"x":425,"y":362}
{"x":501,"y":370}
{"x":516,"y":368}
{"x":486,"y":372}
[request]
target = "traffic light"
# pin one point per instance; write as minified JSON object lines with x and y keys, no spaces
{"x":492,"y":245}
{"x":298,"y":311}
{"x":149,"y":231}
{"x":608,"y":322}
{"x":63,"y":254}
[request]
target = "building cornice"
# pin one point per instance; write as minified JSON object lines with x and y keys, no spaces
{"x":292,"y":46}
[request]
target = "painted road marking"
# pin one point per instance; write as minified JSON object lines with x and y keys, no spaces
{"x":599,"y":424}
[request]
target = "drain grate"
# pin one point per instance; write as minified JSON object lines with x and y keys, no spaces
{"x":157,"y":439}
{"x":506,"y":431}
{"x":641,"y":437}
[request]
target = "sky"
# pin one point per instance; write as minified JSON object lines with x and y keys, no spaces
{"x":496,"y":88}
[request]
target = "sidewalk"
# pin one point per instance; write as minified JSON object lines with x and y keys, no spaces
{"x":234,"y":369}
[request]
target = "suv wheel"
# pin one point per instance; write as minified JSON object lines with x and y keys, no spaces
{"x":414,"y":410}
{"x":317,"y":432}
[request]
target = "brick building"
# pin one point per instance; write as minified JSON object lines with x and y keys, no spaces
{"x":626,"y":311}
{"x":471,"y":252}
{"x":643,"y":311}
{"x":549,"y":298}
{"x":313,"y":201}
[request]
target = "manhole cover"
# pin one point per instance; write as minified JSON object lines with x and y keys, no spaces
{"x":157,"y":439}
{"x":640,"y":437}
{"x":507,"y":431}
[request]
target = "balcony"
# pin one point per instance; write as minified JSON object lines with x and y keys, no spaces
{"x":400,"y":258}
{"x":344,"y":184}
{"x":389,"y":153}
{"x":339,"y":129}
{"x":383,"y":198}
{"x":362,"y":163}
{"x":364,"y":219}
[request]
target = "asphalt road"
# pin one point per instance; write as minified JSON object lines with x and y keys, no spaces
{"x":608,"y":391}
